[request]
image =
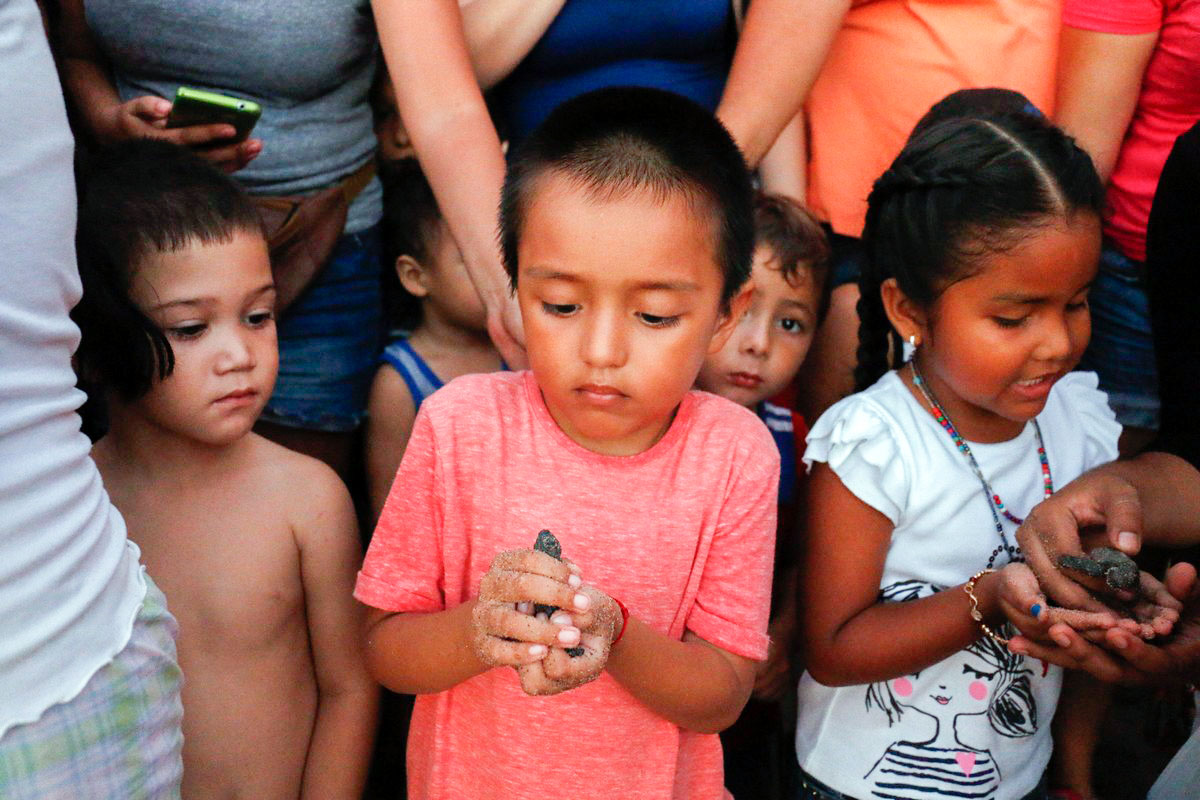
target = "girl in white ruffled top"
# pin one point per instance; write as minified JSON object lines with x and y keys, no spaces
{"x":982,"y":239}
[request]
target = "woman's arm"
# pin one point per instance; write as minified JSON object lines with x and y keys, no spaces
{"x":849,"y":636}
{"x":456,"y":143}
{"x":500,"y":33}
{"x":784,"y":169}
{"x":1099,"y":78}
{"x":779,"y":53}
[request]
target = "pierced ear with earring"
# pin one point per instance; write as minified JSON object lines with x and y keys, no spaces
{"x":910,"y":347}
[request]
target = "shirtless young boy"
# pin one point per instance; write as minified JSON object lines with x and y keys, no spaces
{"x":254,"y":546}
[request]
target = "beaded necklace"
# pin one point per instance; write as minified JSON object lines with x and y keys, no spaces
{"x":995,"y":504}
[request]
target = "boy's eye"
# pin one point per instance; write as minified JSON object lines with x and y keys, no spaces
{"x":1080,"y":305}
{"x":790,"y":325}
{"x":560,"y":309}
{"x":1009,"y":322}
{"x":259,"y":318}
{"x":658,"y":321}
{"x":187,"y":331}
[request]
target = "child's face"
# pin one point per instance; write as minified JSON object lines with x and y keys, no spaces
{"x":215,"y":303}
{"x":770,"y":341}
{"x":620,"y":301}
{"x":444,"y":285}
{"x":994,"y":343}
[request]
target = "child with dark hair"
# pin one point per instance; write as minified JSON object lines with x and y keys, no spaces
{"x":444,"y":326}
{"x":769,"y":343}
{"x":759,"y":362}
{"x":627,"y":229}
{"x":982,"y":240}
{"x":254,"y":545}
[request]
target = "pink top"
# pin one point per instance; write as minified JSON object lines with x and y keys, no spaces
{"x":682,"y":533}
{"x":891,"y":61}
{"x":1168,"y":105}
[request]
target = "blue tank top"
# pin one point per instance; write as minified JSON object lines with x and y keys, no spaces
{"x":685,"y":48}
{"x":421,"y":380}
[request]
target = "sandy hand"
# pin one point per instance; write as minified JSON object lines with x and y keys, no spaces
{"x":504,"y":635}
{"x":599,"y":623}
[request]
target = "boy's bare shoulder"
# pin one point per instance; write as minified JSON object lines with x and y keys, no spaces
{"x":300,"y":484}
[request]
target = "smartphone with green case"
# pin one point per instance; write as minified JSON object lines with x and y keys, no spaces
{"x":199,"y":107}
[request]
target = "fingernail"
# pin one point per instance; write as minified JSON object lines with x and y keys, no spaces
{"x":537,"y":649}
{"x":525,"y":608}
{"x":1127,"y":541}
{"x":574,"y":581}
{"x":568,"y":636}
{"x":1062,"y":640}
{"x":561,"y":619}
{"x":1119,"y":642}
{"x":1035,"y":609}
{"x":582,"y":602}
{"x":1018,"y":648}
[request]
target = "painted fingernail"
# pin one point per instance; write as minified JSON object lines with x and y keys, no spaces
{"x":561,"y":619}
{"x":582,"y":602}
{"x":537,"y":649}
{"x":574,"y":581}
{"x":1127,"y":540}
{"x":569,"y":636}
{"x":1035,"y":609}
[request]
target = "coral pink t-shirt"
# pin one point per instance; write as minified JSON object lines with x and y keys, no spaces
{"x":683,"y":534}
{"x":891,"y":61}
{"x":1167,"y":106}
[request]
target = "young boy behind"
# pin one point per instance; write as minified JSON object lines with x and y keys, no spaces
{"x":756,"y":366}
{"x":445,"y":332}
{"x":627,"y":232}
{"x":254,"y":546}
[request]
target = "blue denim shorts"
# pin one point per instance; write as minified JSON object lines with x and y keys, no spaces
{"x":329,"y":341}
{"x":1122,"y":349}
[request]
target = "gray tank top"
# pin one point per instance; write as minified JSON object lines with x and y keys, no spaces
{"x":308,"y":63}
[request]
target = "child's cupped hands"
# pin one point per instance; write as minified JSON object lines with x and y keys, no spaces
{"x":505,"y":630}
{"x":1148,"y":612}
{"x":568,"y":666}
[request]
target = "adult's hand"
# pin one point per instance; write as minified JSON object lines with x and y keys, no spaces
{"x":1101,"y":501}
{"x":146,"y":118}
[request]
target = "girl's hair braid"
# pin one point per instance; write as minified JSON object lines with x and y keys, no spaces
{"x":961,"y":188}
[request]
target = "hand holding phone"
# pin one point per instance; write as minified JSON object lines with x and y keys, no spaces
{"x":198,"y":107}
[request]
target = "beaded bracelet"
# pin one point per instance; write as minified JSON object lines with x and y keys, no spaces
{"x":976,"y":614}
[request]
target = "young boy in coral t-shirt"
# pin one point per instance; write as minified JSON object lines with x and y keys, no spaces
{"x":627,"y":232}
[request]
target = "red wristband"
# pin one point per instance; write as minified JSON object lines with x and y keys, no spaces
{"x":624,"y":622}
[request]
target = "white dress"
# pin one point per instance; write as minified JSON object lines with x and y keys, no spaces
{"x":976,"y":725}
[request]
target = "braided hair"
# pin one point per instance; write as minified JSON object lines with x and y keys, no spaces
{"x":961,"y":188}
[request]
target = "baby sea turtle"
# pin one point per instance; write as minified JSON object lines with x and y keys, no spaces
{"x":548,"y":543}
{"x":1118,"y":570}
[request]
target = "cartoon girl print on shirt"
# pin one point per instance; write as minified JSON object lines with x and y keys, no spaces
{"x":985,"y":678}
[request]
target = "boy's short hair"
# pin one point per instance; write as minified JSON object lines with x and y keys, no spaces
{"x":796,"y":240}
{"x":617,"y":141}
{"x":136,"y":198}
